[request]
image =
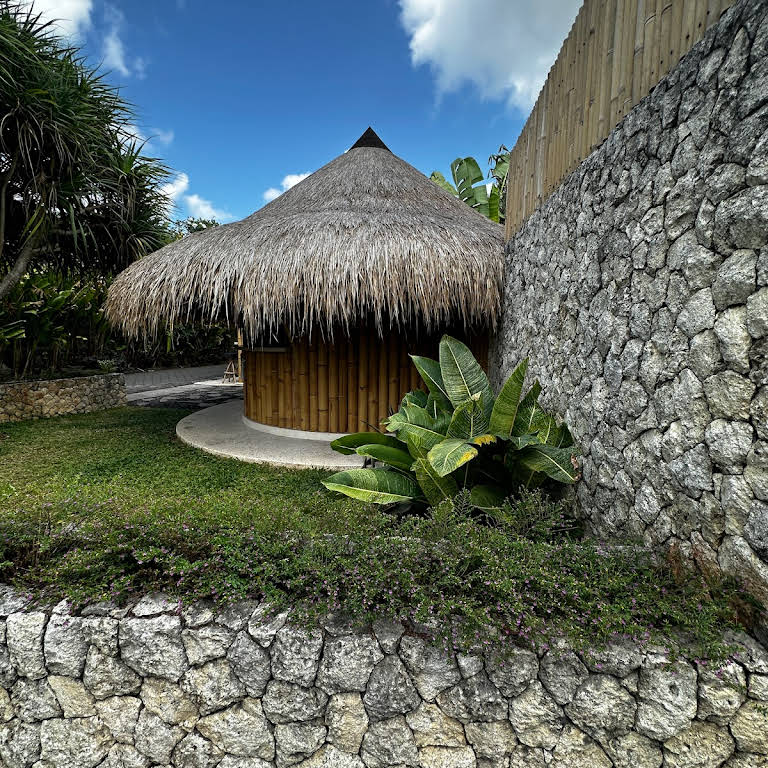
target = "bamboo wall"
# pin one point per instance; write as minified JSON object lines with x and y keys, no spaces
{"x":348,"y":385}
{"x":615,"y":53}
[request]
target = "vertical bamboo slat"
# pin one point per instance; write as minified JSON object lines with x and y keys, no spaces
{"x":362,"y":383}
{"x":373,"y":379}
{"x":303,"y":385}
{"x":312,"y":376}
{"x":614,"y":55}
{"x":333,"y":387}
{"x":323,"y":406}
{"x":352,"y":395}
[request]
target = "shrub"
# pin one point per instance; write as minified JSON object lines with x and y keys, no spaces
{"x":458,"y":435}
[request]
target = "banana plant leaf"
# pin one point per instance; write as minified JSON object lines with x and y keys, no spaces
{"x":493,"y":204}
{"x":463,"y":376}
{"x":435,"y":487}
{"x":417,"y":424}
{"x":416,"y":397}
{"x":469,"y":423}
{"x":395,"y":457}
{"x":526,"y":411}
{"x":430,"y":372}
{"x":348,"y":444}
{"x":441,"y":181}
{"x":556,"y":463}
{"x":449,"y":455}
{"x":487,"y":497}
{"x":507,"y":403}
{"x":376,"y":486}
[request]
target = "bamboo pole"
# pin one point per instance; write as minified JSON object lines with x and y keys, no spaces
{"x":341,"y":377}
{"x":362,"y":382}
{"x":373,"y":380}
{"x":274,"y":388}
{"x":333,"y":387}
{"x":323,"y":406}
{"x":283,"y":389}
{"x":393,"y":363}
{"x":295,"y":417}
{"x":352,"y":390}
{"x":312,"y":371}
{"x":304,"y":385}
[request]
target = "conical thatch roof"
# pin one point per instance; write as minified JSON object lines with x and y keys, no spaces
{"x":366,"y":236}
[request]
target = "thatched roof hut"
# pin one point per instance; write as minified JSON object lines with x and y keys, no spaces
{"x":367,"y":240}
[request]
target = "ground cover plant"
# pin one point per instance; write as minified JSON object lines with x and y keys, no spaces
{"x":110,"y":505}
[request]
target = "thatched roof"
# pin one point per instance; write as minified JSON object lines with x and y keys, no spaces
{"x":366,"y":236}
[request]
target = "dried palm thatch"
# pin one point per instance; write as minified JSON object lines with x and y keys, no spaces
{"x":365,"y":237}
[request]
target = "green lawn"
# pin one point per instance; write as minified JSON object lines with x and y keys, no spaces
{"x":129,"y":461}
{"x":110,"y":505}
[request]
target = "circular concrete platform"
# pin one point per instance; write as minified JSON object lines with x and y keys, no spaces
{"x":221,"y":430}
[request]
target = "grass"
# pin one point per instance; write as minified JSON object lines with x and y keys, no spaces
{"x":110,"y":505}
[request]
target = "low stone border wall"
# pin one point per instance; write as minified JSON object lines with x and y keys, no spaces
{"x":21,"y":400}
{"x":240,"y":688}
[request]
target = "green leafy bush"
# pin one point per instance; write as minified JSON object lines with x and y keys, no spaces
{"x":459,"y":435}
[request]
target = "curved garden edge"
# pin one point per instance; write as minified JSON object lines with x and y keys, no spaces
{"x":158,"y":684}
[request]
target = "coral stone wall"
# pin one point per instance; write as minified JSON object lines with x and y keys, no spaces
{"x":20,"y":400}
{"x":240,"y":688}
{"x":640,"y":292}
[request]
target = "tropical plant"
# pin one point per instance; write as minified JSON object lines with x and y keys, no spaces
{"x":457,"y":435}
{"x":76,"y":194}
{"x":469,"y":184}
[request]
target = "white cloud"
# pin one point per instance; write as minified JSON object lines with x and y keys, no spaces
{"x":70,"y":17}
{"x":113,"y":49}
{"x":203,"y":209}
{"x":504,"y":48}
{"x":164,"y":138}
{"x":176,"y":187}
{"x":291,"y":180}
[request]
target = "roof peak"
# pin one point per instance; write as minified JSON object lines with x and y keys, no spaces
{"x":370,"y":139}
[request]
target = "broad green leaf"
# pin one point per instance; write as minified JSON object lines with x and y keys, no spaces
{"x":416,"y":397}
{"x":526,"y":411}
{"x":469,"y":422}
{"x":348,"y":444}
{"x":487,"y":497}
{"x":449,"y":455}
{"x":462,"y":375}
{"x":434,"y":487}
{"x":518,"y":442}
{"x":395,"y":457}
{"x":376,"y":486}
{"x":466,"y":173}
{"x":545,"y":427}
{"x":419,"y":425}
{"x":441,"y":181}
{"x":553,"y":462}
{"x":429,"y":370}
{"x":493,"y":204}
{"x":566,"y":438}
{"x":507,"y":403}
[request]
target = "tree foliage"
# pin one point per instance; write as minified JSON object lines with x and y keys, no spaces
{"x":470,"y":186}
{"x":76,"y":193}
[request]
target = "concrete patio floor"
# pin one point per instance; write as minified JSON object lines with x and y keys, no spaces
{"x":221,"y":430}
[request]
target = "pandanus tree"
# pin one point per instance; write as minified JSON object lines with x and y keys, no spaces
{"x":459,"y":435}
{"x":76,"y":193}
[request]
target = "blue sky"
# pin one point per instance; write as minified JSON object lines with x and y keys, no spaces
{"x":242,"y":98}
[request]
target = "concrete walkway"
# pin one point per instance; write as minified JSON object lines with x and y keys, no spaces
{"x":220,"y":430}
{"x":165,"y":378}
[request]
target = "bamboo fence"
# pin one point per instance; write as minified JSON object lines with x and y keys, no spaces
{"x":614,"y":55}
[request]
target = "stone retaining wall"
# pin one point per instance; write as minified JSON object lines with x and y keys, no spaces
{"x":21,"y":400}
{"x":639,"y":291}
{"x":240,"y":688}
